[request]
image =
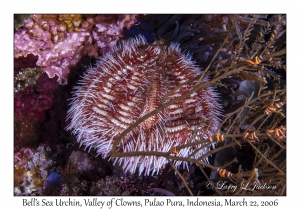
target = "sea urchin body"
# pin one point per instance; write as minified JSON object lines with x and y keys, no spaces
{"x":128,"y":83}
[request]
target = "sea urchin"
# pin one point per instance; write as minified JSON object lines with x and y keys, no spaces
{"x":129,"y":82}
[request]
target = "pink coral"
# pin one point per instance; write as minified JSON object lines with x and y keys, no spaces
{"x":107,"y":34}
{"x":59,"y":41}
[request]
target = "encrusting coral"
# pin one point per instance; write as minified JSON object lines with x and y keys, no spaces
{"x":31,"y":169}
{"x":60,"y":41}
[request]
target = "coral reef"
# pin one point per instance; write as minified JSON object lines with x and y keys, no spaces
{"x":20,"y":19}
{"x":26,"y":77}
{"x":81,"y":162}
{"x":59,"y":41}
{"x":120,"y":183}
{"x":39,"y":103}
{"x":31,"y":169}
{"x":31,"y":107}
{"x":84,"y":165}
{"x":34,"y":97}
{"x":242,"y":56}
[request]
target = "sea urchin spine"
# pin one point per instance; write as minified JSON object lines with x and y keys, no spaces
{"x":129,"y":82}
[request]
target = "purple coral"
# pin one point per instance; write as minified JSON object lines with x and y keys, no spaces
{"x":32,"y":105}
{"x":31,"y":169}
{"x":108,"y":30}
{"x":59,"y":41}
